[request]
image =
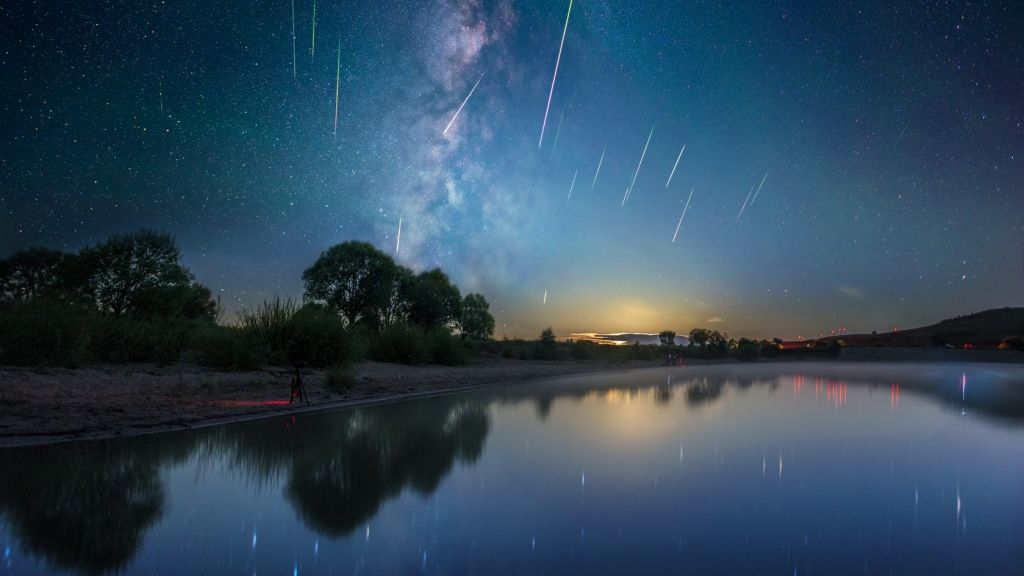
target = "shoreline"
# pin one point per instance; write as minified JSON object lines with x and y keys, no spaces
{"x":49,"y":405}
{"x":56,"y":405}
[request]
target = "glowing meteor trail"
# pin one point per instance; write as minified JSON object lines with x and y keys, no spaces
{"x":558,"y":130}
{"x":452,"y":121}
{"x":545,"y":301}
{"x":674,"y":166}
{"x":554,"y":77}
{"x":683,"y":215}
{"x":294,"y":69}
{"x":312,"y":48}
{"x":337,"y":89}
{"x":573,"y":185}
{"x":398,"y":244}
{"x":900,"y":137}
{"x":744,"y":207}
{"x":641,"y":163}
{"x":598,"y":171}
{"x":754,"y":199}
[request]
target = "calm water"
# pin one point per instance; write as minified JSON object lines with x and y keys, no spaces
{"x":783,"y":469}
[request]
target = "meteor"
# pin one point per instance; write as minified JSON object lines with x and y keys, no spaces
{"x":598,"y":171}
{"x":674,"y":166}
{"x":558,"y":130}
{"x":754,"y":199}
{"x":742,"y":208}
{"x":312,"y":48}
{"x":293,"y":40}
{"x":554,"y":76}
{"x":337,"y":88}
{"x":641,"y":163}
{"x":398,"y":244}
{"x":573,"y":185}
{"x":683,"y":215}
{"x":545,"y":301}
{"x":452,"y":121}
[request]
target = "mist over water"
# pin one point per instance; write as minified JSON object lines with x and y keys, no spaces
{"x":768,"y":468}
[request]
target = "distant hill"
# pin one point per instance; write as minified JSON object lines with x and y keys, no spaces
{"x":979,"y":330}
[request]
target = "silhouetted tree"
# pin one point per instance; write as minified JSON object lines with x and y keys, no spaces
{"x":29,"y":274}
{"x":667,"y":337}
{"x":355,"y":279}
{"x":476,"y":320}
{"x":139,"y":273}
{"x":434,"y":302}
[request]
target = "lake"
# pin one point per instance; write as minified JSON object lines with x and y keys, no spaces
{"x":804,"y":468}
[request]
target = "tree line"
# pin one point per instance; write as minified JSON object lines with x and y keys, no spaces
{"x":130,"y":298}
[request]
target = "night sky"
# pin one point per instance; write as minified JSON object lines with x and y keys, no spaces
{"x":886,"y":140}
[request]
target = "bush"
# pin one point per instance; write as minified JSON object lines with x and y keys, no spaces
{"x":268,"y":325}
{"x":317,"y":337}
{"x":445,"y":348}
{"x":43,"y":333}
{"x":228,"y":347}
{"x":401,"y":344}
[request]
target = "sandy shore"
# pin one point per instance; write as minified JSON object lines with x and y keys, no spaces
{"x":40,"y":405}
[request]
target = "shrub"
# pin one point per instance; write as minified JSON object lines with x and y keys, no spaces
{"x":268,"y":325}
{"x":401,"y":344}
{"x":228,"y":347}
{"x":317,"y":337}
{"x":445,"y":348}
{"x":43,"y":333}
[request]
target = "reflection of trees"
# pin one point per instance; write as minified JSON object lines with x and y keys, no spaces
{"x":704,"y":390}
{"x":338,"y":485}
{"x":85,"y":507}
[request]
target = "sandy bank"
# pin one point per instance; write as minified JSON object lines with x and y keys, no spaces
{"x":39,"y":405}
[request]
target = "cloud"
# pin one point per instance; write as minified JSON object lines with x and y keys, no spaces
{"x":715,"y":320}
{"x":851,"y":292}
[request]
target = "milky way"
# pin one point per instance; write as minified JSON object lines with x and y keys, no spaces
{"x":888,"y":140}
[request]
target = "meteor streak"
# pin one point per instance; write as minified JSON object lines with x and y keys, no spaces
{"x":754,"y":199}
{"x":398,"y":244}
{"x":683,"y":215}
{"x":674,"y":166}
{"x":293,"y":40}
{"x":900,"y":137}
{"x":573,"y":185}
{"x":312,"y":48}
{"x":641,"y":163}
{"x":337,"y":88}
{"x":452,"y":121}
{"x":742,"y":208}
{"x":554,"y":76}
{"x":558,"y":130}
{"x":598,"y":171}
{"x":545,"y":301}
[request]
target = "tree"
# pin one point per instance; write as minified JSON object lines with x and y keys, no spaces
{"x":29,"y":274}
{"x":667,"y":337}
{"x":547,"y":336}
{"x":434,"y":301}
{"x":354,"y":279}
{"x":476,"y":321}
{"x":134,"y":273}
{"x":699,"y":337}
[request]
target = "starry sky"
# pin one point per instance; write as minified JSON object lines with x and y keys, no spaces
{"x":885,"y":142}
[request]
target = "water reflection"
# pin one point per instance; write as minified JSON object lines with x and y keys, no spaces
{"x":89,"y":507}
{"x":86,"y":506}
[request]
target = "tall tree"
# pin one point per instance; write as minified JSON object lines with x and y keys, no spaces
{"x":434,"y":301}
{"x":667,"y":337}
{"x":476,"y":321}
{"x":355,"y":279}
{"x":125,"y":273}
